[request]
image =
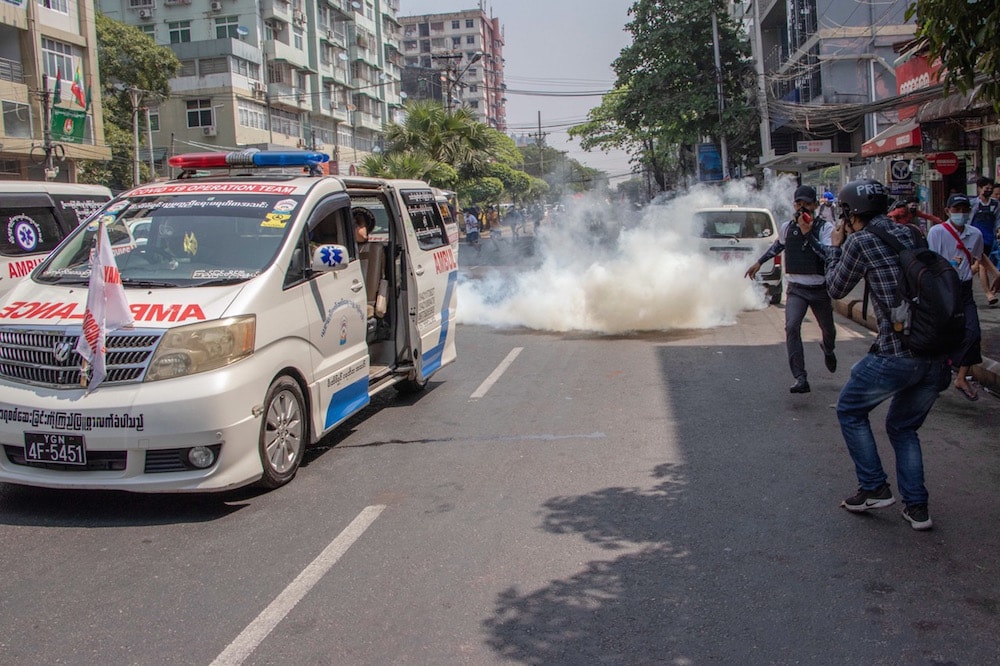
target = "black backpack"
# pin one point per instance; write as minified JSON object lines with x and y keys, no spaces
{"x":929,"y":316}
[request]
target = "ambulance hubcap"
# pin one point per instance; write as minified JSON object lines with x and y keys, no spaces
{"x":284,"y":427}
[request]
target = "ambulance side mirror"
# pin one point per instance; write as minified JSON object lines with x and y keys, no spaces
{"x":327,"y":258}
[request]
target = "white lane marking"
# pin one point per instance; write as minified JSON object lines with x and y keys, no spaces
{"x":264,"y":624}
{"x":495,"y":375}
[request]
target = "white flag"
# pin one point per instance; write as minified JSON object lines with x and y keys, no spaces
{"x":107,"y":310}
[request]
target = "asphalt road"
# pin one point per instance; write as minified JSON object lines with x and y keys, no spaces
{"x":634,"y":500}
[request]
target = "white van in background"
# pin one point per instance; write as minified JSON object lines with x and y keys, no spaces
{"x":738,"y":234}
{"x":36,"y":217}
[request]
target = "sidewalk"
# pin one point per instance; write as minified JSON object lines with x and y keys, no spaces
{"x":987,"y":373}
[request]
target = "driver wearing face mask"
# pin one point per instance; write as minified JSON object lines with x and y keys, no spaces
{"x":962,"y":244}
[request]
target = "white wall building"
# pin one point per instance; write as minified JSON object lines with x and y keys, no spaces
{"x":318,"y":74}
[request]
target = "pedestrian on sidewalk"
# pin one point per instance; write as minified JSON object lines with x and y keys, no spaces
{"x":472,"y":229}
{"x":986,"y":218}
{"x":803,"y":239}
{"x":962,"y":244}
{"x":888,"y":371}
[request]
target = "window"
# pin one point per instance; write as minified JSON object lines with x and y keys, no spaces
{"x":187,"y":68}
{"x":252,"y":114}
{"x":297,"y":38}
{"x":425,"y":218}
{"x":28,"y":230}
{"x":149,"y":30}
{"x":471,"y":72}
{"x":470,"y":23}
{"x":213,"y":66}
{"x":61,"y":6}
{"x":455,"y":25}
{"x":58,"y":58}
{"x":456,"y":42}
{"x":180,"y":31}
{"x":473,"y":88}
{"x":199,"y":113}
{"x":17,"y":120}
{"x":226,"y":26}
{"x":154,"y":120}
{"x":370,"y":11}
{"x":474,"y":104}
{"x":470,"y":39}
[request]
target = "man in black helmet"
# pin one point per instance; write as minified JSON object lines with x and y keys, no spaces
{"x":802,"y":239}
{"x":888,"y":370}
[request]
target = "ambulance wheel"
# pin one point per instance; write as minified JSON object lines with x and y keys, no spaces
{"x":411,"y":386}
{"x":284,"y":431}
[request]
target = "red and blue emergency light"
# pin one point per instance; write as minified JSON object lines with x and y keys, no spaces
{"x":249,"y":158}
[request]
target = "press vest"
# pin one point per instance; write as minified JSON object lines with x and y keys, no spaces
{"x":799,"y":257}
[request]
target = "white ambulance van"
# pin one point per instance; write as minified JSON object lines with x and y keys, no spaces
{"x":36,"y":217}
{"x":260,"y":325}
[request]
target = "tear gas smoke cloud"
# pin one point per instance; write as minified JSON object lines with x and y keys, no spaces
{"x":607,"y":272}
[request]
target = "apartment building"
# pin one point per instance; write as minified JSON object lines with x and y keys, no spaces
{"x":457,"y":58}
{"x":271,"y":74}
{"x":817,"y":61}
{"x":42,"y":41}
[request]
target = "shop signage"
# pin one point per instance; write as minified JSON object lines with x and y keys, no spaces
{"x":912,"y":75}
{"x":825,"y":146}
{"x":945,"y":163}
{"x":899,"y":171}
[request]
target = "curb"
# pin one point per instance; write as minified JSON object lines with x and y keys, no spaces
{"x":986,"y":373}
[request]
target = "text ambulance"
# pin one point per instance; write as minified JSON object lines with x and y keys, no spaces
{"x":261,"y":323}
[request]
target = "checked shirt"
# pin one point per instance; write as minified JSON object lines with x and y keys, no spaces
{"x":865,"y":255}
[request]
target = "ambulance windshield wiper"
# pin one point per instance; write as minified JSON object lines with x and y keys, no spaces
{"x":221,"y":282}
{"x":147,"y":284}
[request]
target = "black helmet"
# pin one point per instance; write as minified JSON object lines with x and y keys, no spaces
{"x":865,"y":198}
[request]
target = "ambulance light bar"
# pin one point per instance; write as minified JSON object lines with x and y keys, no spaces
{"x":249,"y":158}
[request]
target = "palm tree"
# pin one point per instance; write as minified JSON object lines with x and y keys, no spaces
{"x":409,"y":165}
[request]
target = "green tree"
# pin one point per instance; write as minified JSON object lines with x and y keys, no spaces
{"x":665,"y":97}
{"x":480,"y":190}
{"x":410,"y":165}
{"x":127,"y":58}
{"x":965,"y":35}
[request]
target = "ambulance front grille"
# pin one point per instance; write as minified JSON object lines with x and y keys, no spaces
{"x":47,"y":357}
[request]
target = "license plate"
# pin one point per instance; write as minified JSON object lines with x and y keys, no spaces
{"x":51,"y":447}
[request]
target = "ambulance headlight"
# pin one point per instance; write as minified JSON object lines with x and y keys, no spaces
{"x":200,"y":347}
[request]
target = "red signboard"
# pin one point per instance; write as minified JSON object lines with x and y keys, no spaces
{"x":915,"y":74}
{"x":945,"y":163}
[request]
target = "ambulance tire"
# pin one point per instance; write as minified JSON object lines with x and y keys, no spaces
{"x":411,"y":386}
{"x":284,"y":432}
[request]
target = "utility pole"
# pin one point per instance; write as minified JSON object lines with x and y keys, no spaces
{"x":135,"y":96}
{"x":149,"y":142}
{"x":722,"y":100}
{"x":539,"y":138}
{"x":50,"y":172}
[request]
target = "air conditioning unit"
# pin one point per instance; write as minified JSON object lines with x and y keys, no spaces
{"x":257,"y":88}
{"x":299,"y":17}
{"x":208,"y":131}
{"x":145,"y":13}
{"x":216,"y":6}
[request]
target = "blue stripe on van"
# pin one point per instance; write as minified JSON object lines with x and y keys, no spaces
{"x":430,"y":362}
{"x":346,"y":401}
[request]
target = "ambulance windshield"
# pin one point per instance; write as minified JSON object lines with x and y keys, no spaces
{"x":181,"y":240}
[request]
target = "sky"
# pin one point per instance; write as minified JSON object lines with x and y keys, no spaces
{"x":553,"y":45}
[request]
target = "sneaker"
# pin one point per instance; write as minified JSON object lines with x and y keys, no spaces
{"x":800,"y":386}
{"x":871,"y":499}
{"x":918,"y":516}
{"x":829,"y":358}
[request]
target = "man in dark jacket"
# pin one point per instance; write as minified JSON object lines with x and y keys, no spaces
{"x":803,"y":239}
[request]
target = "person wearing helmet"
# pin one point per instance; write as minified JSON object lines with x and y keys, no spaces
{"x":962,"y":244}
{"x":888,"y":371}
{"x":802,"y":239}
{"x":826,"y":209}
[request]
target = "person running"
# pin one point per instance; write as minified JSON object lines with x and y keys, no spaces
{"x":802,"y":239}
{"x":472,"y":229}
{"x":962,"y":244}
{"x":888,"y":371}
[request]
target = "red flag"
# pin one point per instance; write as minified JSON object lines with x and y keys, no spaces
{"x":107,"y":310}
{"x":77,"y":88}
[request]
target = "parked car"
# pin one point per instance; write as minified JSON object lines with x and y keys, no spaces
{"x":741,"y":235}
{"x":36,"y":216}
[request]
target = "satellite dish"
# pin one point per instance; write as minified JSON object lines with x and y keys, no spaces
{"x":351,"y":107}
{"x":403,"y":95}
{"x":342,"y":56}
{"x":242,"y":30}
{"x":356,"y":4}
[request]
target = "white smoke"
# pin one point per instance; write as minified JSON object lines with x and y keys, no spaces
{"x":603,"y":272}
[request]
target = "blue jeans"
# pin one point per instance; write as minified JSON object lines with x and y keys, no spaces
{"x":914,"y":385}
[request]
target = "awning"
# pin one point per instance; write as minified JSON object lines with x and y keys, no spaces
{"x":802,"y":162}
{"x":899,"y":138}
{"x":955,"y":104}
